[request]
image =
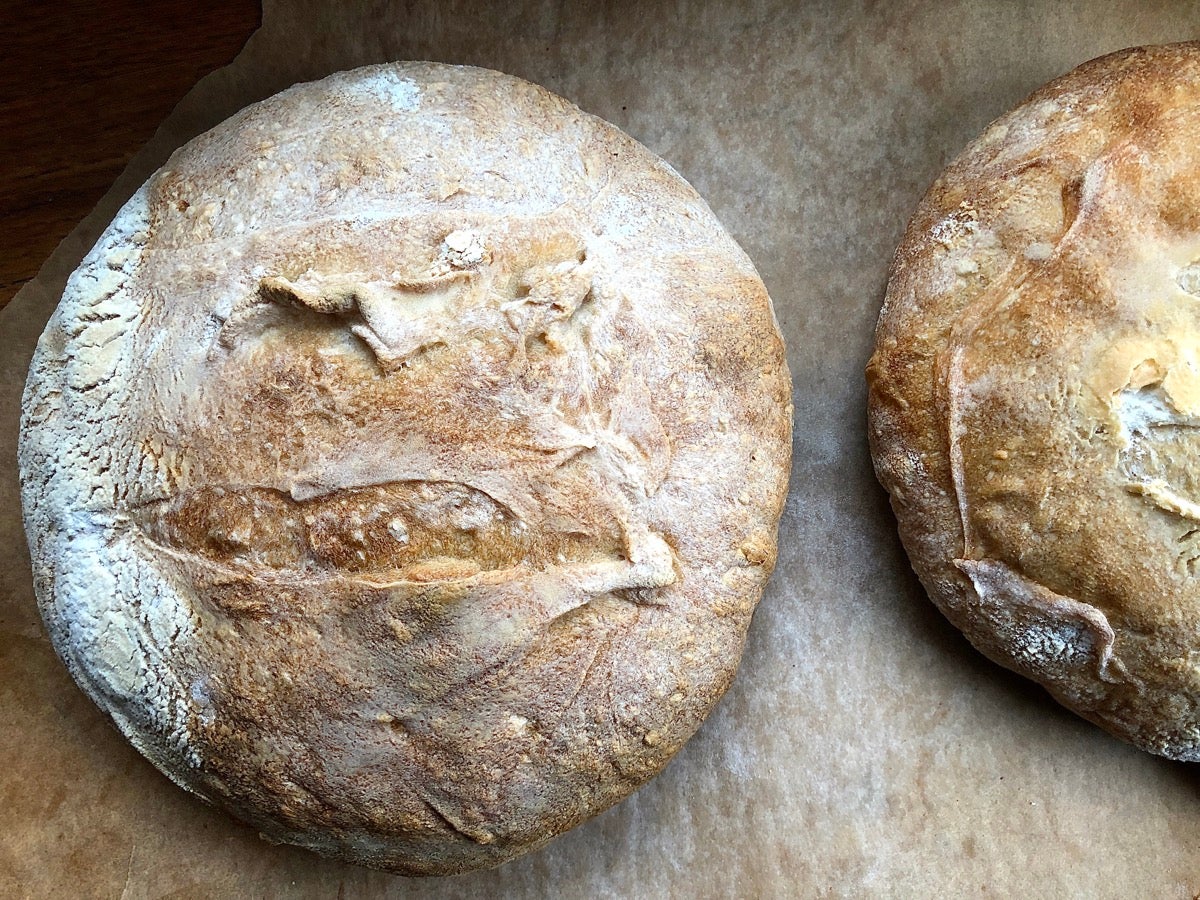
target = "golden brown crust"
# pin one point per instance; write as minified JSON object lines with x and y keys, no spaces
{"x":441,"y":435}
{"x":1034,"y":393}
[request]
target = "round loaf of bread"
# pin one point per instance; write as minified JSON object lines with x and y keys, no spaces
{"x":1035,"y":393}
{"x":403,"y":466}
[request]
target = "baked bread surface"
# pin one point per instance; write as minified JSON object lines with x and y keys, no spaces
{"x":1035,"y":393}
{"x":403,"y":466}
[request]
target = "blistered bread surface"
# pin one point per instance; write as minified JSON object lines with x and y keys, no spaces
{"x":1035,"y":393}
{"x":403,"y":466}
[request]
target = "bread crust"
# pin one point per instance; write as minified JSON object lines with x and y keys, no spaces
{"x":1033,"y":394}
{"x":403,"y":466}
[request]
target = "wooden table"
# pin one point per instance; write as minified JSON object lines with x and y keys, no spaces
{"x":82,"y":86}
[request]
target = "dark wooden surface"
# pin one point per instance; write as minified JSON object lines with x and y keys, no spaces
{"x":83,"y":85}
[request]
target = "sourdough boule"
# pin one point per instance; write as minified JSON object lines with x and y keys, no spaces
{"x":403,"y":466}
{"x":1035,"y":393}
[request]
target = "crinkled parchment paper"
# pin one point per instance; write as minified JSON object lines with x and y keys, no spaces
{"x":864,"y":749}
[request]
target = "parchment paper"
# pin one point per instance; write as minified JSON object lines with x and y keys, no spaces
{"x":865,"y":749}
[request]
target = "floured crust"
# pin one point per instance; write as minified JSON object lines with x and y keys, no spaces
{"x":1035,"y":393}
{"x":403,"y":466}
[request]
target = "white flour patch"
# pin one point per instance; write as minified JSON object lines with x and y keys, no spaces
{"x":388,"y":87}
